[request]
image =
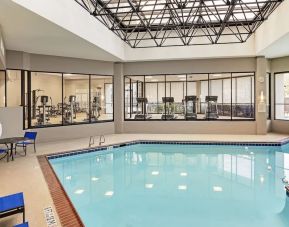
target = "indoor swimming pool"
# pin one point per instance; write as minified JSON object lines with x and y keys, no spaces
{"x":176,"y":185}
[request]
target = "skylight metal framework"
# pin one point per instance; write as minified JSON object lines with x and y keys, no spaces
{"x":156,"y":23}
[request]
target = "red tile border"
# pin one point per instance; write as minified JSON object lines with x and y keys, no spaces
{"x":64,"y":208}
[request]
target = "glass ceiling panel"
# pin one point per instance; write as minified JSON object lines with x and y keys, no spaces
{"x":156,"y":23}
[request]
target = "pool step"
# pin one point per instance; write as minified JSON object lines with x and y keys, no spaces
{"x":92,"y":140}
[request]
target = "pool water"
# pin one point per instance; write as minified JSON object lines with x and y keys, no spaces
{"x":154,"y":185}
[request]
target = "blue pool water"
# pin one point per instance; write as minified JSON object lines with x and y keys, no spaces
{"x":154,"y":185}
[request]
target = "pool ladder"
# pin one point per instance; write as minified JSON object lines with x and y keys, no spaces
{"x":92,"y":140}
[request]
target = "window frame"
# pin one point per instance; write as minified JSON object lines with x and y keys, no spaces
{"x":5,"y":88}
{"x":26,"y":82}
{"x":269,"y":114}
{"x":190,"y":73}
{"x":276,"y":73}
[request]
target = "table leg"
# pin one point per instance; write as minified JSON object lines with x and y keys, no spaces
{"x":11,"y":151}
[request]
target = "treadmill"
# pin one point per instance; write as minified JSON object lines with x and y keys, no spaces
{"x":169,"y":112}
{"x":212,"y":108}
{"x":142,"y":104}
{"x":191,"y":107}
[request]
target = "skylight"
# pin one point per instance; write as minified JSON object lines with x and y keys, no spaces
{"x":156,"y":23}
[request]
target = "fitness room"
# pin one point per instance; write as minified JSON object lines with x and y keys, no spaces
{"x":55,"y":99}
{"x":144,"y":113}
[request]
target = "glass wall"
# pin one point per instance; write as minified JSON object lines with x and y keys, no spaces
{"x":2,"y":89}
{"x":45,"y":99}
{"x":75,"y":98}
{"x":282,"y":96}
{"x":101,"y":98}
{"x":243,"y":96}
{"x":62,"y":99}
{"x":215,"y":96}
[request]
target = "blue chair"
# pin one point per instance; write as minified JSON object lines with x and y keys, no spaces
{"x":12,"y":204}
{"x":4,"y":150}
{"x":25,"y":224}
{"x":31,"y":140}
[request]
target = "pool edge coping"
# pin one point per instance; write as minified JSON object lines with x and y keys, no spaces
{"x":180,"y":142}
{"x":65,"y":209}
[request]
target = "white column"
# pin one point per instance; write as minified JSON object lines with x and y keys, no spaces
{"x":260,"y":93}
{"x":118,"y":97}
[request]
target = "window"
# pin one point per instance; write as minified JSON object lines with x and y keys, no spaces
{"x":282,"y":96}
{"x":64,"y":99}
{"x":2,"y":89}
{"x":221,"y":92}
{"x":13,"y":86}
{"x":75,"y":98}
{"x":268,"y":95}
{"x":46,"y":99}
{"x":101,"y":96}
{"x":215,"y":96}
{"x":243,"y":97}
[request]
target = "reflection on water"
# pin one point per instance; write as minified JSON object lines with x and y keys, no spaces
{"x":178,"y":185}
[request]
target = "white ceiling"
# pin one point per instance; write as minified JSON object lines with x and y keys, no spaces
{"x":26,"y":31}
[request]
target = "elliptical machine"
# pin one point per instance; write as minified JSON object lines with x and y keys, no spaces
{"x":190,"y":104}
{"x":69,"y":112}
{"x":169,"y":108}
{"x":95,"y":108}
{"x":212,"y":108}
{"x":142,"y":106}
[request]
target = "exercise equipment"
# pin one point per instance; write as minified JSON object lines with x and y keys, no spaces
{"x":95,"y":108}
{"x":34,"y":100}
{"x":190,"y":107}
{"x":211,"y":108}
{"x":43,"y":111}
{"x":69,"y":109}
{"x":169,"y":108}
{"x":142,"y":104}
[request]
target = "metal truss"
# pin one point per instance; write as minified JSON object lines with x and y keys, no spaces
{"x":156,"y":23}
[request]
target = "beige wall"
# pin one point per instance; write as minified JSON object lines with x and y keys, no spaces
{"x":35,"y":62}
{"x":195,"y":127}
{"x":191,"y":66}
{"x":278,"y":65}
{"x":12,"y":121}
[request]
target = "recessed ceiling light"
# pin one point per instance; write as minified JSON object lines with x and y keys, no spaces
{"x":79,"y":191}
{"x":109,"y":193}
{"x":217,"y":189}
{"x":155,"y":173}
{"x":183,"y":174}
{"x":149,"y":186}
{"x":94,"y":179}
{"x":182,"y":187}
{"x":68,"y":178}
